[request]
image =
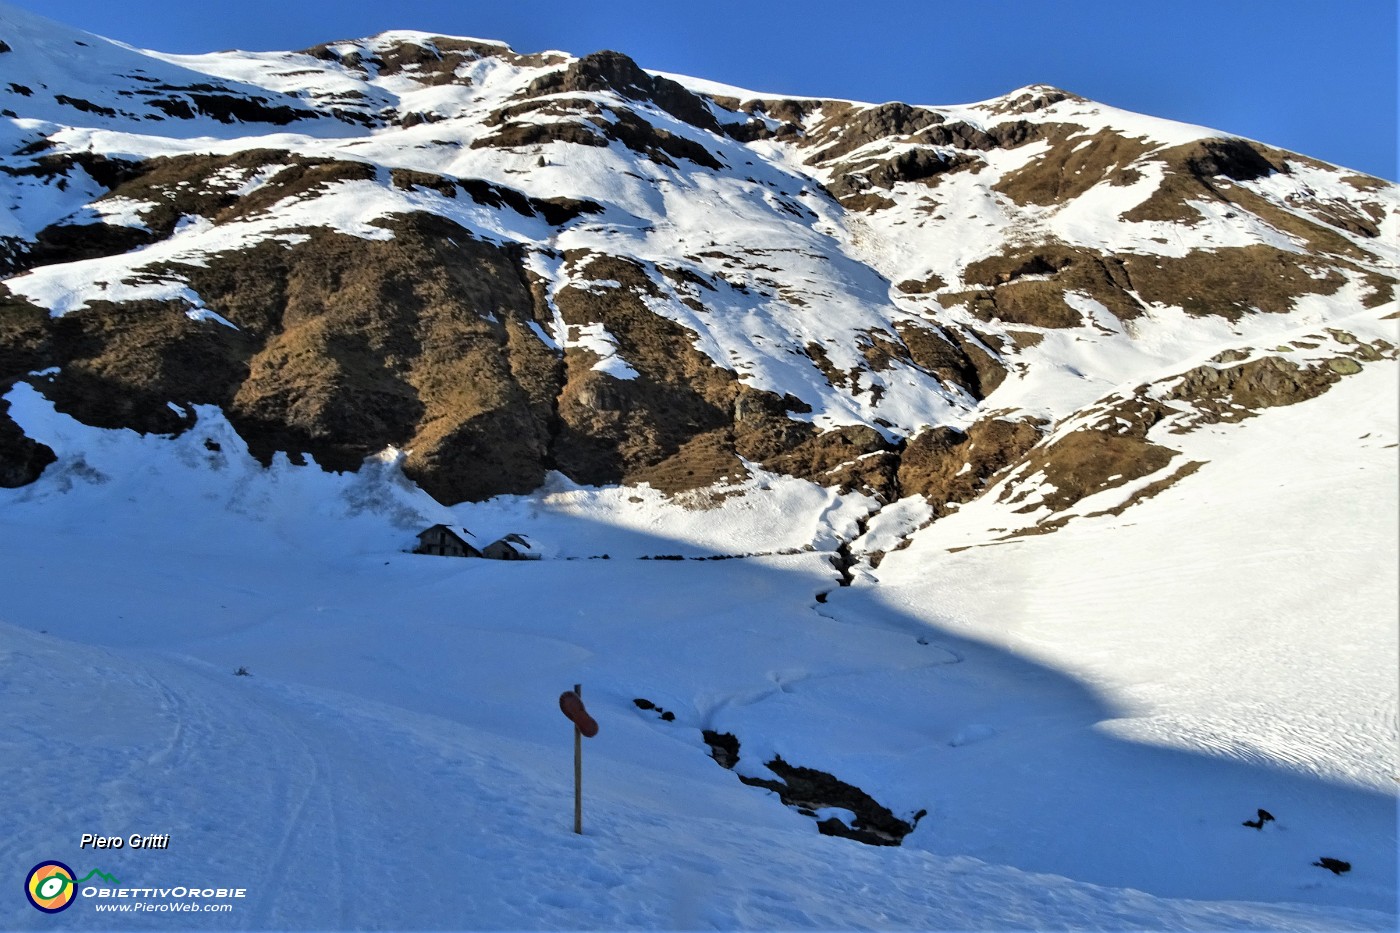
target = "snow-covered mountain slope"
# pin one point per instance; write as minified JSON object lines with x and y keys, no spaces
{"x":507,"y":264}
{"x":1027,"y":464}
{"x":1086,"y":718}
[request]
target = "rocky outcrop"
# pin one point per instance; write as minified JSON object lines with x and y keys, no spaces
{"x":809,"y":791}
{"x":615,"y":72}
{"x":913,"y":165}
{"x":22,"y":459}
{"x":341,"y":347}
{"x":588,"y":123}
{"x":852,"y":458}
{"x":949,"y":467}
{"x":555,"y":211}
{"x":1219,"y":392}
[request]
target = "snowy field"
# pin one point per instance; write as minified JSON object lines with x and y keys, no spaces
{"x":1087,"y":716}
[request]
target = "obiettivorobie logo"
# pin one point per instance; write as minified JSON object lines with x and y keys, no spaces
{"x":52,"y":886}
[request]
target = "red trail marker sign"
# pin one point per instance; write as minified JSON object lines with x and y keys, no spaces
{"x":571,"y":705}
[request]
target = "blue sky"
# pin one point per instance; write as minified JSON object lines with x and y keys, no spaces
{"x":1315,"y":77}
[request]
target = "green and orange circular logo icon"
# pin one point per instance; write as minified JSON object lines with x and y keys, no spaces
{"x":50,"y":887}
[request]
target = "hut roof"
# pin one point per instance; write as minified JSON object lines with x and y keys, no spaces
{"x":457,"y":531}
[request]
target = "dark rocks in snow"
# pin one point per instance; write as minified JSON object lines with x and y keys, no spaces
{"x":86,"y":106}
{"x":892,"y":119}
{"x":22,"y":459}
{"x":724,"y":748}
{"x":588,"y":123}
{"x":231,"y":108}
{"x":1231,"y":393}
{"x":555,"y":211}
{"x":810,"y":791}
{"x":664,"y":715}
{"x":851,"y":457}
{"x":518,"y":135}
{"x":1034,"y":98}
{"x":1236,"y":159}
{"x":911,"y":165}
{"x":1335,"y":865}
{"x":954,"y":355}
{"x":657,"y":144}
{"x":1264,"y":817}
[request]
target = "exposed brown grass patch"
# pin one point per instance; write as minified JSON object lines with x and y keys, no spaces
{"x":1071,"y":168}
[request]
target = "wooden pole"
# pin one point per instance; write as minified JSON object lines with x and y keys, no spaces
{"x":578,"y":771}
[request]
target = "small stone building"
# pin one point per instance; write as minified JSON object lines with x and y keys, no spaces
{"x":511,"y":547}
{"x":446,"y":541}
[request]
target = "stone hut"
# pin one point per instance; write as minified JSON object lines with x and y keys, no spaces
{"x":511,"y":547}
{"x":446,"y":541}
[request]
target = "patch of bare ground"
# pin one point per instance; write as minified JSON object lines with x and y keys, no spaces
{"x":866,"y":202}
{"x":703,"y":461}
{"x":25,"y":338}
{"x":1111,"y":453}
{"x":925,"y":286}
{"x":1211,"y":170}
{"x":173,"y":187}
{"x":1232,"y":281}
{"x":25,"y":346}
{"x":1074,"y":164}
{"x":122,"y":363}
{"x":1027,"y":286}
{"x":303,"y":177}
{"x":170,"y":187}
{"x":1141,"y":495}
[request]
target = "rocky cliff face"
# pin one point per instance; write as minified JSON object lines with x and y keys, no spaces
{"x":509,"y":264}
